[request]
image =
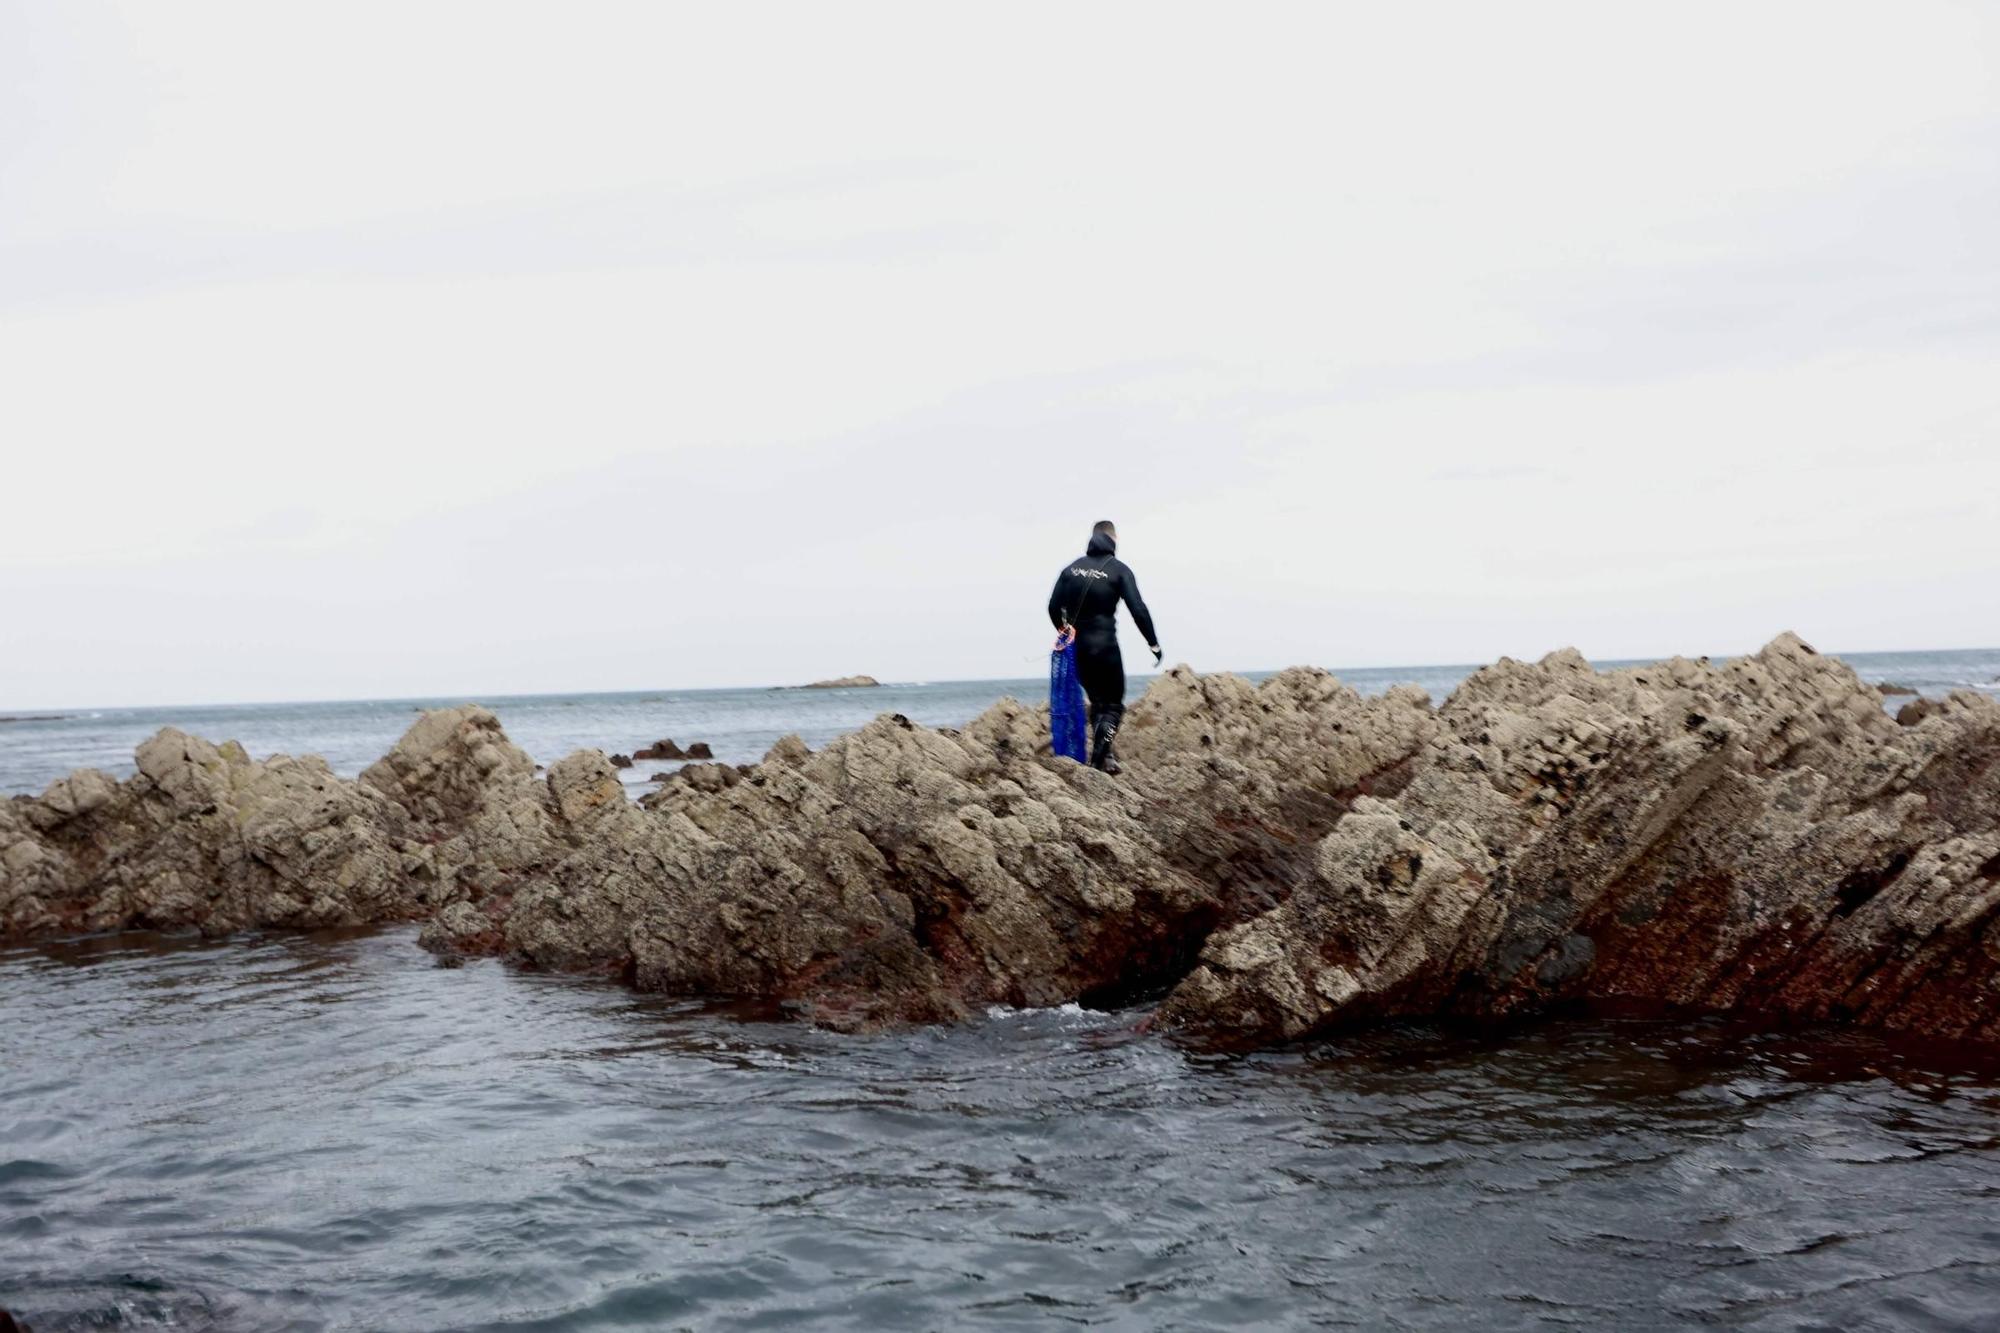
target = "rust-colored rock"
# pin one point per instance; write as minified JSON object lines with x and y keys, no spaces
{"x":1757,"y":837}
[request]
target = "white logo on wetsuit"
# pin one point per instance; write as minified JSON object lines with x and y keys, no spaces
{"x":1088,"y":573}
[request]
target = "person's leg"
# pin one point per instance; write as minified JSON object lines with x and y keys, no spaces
{"x":1102,"y":671}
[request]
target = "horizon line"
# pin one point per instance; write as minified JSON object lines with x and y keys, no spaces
{"x":461,"y":698}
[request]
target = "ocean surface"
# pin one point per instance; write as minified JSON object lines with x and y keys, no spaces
{"x":329,"y":1131}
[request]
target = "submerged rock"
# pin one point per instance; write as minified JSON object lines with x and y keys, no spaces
{"x":1278,"y":859}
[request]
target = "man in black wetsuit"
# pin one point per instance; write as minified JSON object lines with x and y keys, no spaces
{"x":1086,"y":597}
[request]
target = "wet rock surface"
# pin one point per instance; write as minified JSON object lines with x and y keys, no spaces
{"x":1277,"y":860}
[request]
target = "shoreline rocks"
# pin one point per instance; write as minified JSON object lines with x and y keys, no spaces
{"x":1278,"y":860}
{"x":1758,"y":838}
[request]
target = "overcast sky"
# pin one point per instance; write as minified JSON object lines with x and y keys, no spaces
{"x":357,"y":350}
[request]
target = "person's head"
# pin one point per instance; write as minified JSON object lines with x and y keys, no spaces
{"x":1105,"y":528}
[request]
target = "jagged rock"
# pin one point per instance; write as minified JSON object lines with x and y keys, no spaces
{"x":904,"y":873}
{"x":1284,"y":858}
{"x":1758,"y":837}
{"x":480,"y":816}
{"x":1243,"y":780}
{"x":789,"y":750}
{"x":896,"y":875}
{"x":621,"y":761}
{"x":661,"y":749}
{"x":203,"y":836}
{"x":447,"y":766}
{"x":700,"y":750}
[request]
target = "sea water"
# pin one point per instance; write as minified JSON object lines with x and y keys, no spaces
{"x":315,"y":1132}
{"x":327,"y":1131}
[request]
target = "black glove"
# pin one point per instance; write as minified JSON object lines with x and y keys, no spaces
{"x":1157,"y":654}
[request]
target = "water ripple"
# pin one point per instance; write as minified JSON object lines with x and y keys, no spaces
{"x":327,"y":1132}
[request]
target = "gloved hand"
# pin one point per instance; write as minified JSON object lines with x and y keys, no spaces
{"x":1158,"y":653}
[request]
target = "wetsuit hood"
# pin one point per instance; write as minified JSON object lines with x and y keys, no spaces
{"x":1102,"y":544}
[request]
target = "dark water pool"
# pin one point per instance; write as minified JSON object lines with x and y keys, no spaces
{"x":329,"y":1132}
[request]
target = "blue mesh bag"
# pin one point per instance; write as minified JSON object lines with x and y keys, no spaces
{"x":1068,"y":727}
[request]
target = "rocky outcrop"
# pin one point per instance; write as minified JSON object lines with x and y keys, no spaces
{"x":842,"y":683}
{"x":201,"y":836}
{"x":204,"y":836}
{"x":1757,"y":837}
{"x":898,"y":874}
{"x":1278,"y":859}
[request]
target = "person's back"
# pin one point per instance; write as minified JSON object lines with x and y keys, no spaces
{"x":1086,"y":598}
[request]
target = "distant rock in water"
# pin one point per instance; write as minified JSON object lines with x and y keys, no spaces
{"x":1278,"y":860}
{"x":1918,"y":709}
{"x":840,"y":683}
{"x":621,"y":761}
{"x":666,"y":749}
{"x":1890,"y":687}
{"x":36,"y":717}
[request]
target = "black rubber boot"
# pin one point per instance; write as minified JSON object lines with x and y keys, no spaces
{"x":1102,"y":731}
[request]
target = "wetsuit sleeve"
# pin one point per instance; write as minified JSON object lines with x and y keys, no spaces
{"x":1058,"y":609}
{"x":1128,"y":588}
